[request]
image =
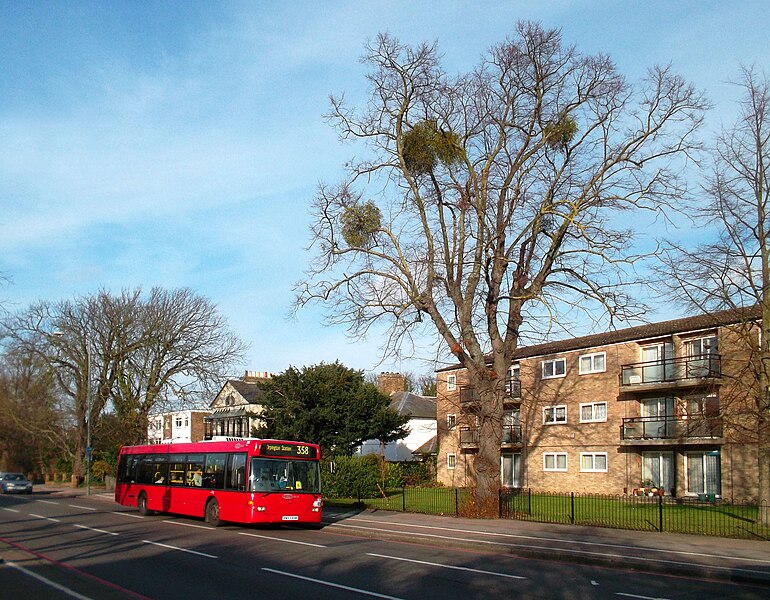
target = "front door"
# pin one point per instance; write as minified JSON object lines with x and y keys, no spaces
{"x":704,"y":474}
{"x":510,"y":469}
{"x":658,"y":471}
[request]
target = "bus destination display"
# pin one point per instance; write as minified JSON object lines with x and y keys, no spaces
{"x":277,"y":449}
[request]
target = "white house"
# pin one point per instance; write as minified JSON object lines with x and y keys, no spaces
{"x":176,"y":426}
{"x":422,"y":428}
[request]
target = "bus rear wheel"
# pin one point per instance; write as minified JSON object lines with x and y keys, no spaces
{"x":212,"y":513}
{"x":141,"y":504}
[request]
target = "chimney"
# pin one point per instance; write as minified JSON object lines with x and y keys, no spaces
{"x":388,"y":383}
{"x":256,"y":376}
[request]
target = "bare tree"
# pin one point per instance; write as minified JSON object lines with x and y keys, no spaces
{"x":125,"y":352}
{"x":493,"y":202}
{"x":35,"y":426}
{"x":732,"y":271}
{"x":186,"y":350}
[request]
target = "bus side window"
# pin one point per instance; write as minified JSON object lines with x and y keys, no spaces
{"x":214,"y":473}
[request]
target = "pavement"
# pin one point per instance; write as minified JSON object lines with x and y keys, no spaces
{"x":725,"y":559}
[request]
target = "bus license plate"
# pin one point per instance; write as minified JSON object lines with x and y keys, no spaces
{"x":292,"y":518}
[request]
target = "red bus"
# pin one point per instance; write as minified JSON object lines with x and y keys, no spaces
{"x":242,"y":481}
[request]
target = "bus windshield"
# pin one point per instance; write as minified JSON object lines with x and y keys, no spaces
{"x":276,"y":475}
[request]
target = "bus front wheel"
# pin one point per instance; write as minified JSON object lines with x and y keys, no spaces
{"x":212,"y":513}
{"x":141,"y":504}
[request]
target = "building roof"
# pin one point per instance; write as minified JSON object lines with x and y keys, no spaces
{"x":429,"y":447}
{"x":413,"y":405}
{"x":641,"y":332}
{"x":250,"y":390}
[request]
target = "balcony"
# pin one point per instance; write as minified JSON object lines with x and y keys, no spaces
{"x":469,"y":436}
{"x":468,"y":394}
{"x":671,"y":430}
{"x":689,"y":371}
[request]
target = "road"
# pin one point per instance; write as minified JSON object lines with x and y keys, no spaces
{"x":89,"y":547}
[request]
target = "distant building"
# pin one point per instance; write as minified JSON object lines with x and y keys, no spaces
{"x":421,"y":411}
{"x":236,"y":410}
{"x":176,"y":426}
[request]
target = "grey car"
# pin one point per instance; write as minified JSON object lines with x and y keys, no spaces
{"x":15,"y":483}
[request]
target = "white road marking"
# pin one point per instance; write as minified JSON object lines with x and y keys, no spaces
{"x":640,"y":597}
{"x":47,"y":502}
{"x":330,"y":584}
{"x":127,"y":514}
{"x":96,"y":530}
{"x":180,"y":549}
{"x":560,"y":540}
{"x":81,"y":507}
{"x":10,"y":509}
{"x":267,"y":537}
{"x":48,"y":582}
{"x":188,"y":524}
{"x":432,"y":564}
{"x":46,"y":518}
{"x":625,"y":557}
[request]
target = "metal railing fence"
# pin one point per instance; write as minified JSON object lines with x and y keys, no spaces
{"x":705,"y":515}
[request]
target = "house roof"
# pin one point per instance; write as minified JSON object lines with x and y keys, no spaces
{"x":250,"y":390}
{"x":419,"y":407}
{"x":429,"y":447}
{"x":641,"y":332}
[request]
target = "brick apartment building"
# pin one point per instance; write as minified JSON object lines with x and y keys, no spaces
{"x":664,"y":406}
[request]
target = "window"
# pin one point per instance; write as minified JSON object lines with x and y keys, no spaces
{"x":554,"y":414}
{"x":451,"y":460}
{"x":593,"y":462}
{"x":555,"y":461}
{"x":186,"y":422}
{"x":451,"y":421}
{"x":593,"y":412}
{"x":554,"y":368}
{"x":179,"y":421}
{"x":593,"y":363}
{"x":451,"y":383}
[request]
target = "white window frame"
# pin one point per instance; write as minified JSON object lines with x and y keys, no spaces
{"x":593,"y":419}
{"x":554,"y":421}
{"x":593,"y":456}
{"x":451,"y":382}
{"x":555,"y":456}
{"x":451,"y":461}
{"x":553,"y":362}
{"x":592,"y":356}
{"x":451,"y":421}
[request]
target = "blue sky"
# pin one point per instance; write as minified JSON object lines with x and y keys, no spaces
{"x":179,"y":144}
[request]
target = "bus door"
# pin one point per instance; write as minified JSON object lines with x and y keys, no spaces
{"x":233,"y":505}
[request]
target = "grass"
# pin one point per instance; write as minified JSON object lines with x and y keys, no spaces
{"x":621,"y":512}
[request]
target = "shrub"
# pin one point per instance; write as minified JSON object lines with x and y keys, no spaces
{"x":353,"y":477}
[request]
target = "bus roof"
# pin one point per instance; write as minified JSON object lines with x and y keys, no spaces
{"x":215,"y":445}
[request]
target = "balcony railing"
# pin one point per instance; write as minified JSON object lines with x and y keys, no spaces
{"x":700,"y":367}
{"x":671,"y":427}
{"x":468,"y":394}
{"x":469,"y":436}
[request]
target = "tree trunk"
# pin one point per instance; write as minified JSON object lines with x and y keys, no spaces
{"x":487,"y":461}
{"x":763,"y":463}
